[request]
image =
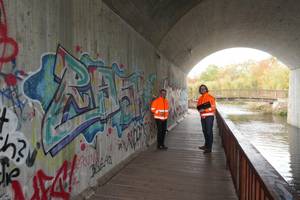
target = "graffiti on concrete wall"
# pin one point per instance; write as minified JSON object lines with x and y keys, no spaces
{"x":94,"y":115}
{"x":49,"y":187}
{"x":82,"y":96}
{"x":13,"y":144}
{"x":9,"y":47}
{"x":10,"y":74}
{"x":177,"y":103}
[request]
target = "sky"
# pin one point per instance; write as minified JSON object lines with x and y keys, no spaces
{"x":228,"y":56}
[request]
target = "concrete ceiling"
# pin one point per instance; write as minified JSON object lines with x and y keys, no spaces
{"x":186,"y":31}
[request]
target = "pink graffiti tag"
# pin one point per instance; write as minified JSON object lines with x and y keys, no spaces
{"x":43,"y":190}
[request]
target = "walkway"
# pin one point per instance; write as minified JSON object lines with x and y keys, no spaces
{"x":182,"y":172}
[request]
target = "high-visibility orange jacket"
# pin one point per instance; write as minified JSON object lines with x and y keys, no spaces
{"x":160,"y":108}
{"x":207,"y":98}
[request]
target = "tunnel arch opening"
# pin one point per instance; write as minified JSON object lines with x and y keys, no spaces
{"x":240,"y":70}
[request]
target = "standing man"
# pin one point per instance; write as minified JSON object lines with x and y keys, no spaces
{"x":160,"y":110}
{"x":206,"y":106}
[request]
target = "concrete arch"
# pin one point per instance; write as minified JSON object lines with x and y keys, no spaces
{"x":270,"y":26}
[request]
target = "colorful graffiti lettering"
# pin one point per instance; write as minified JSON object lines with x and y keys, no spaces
{"x":48,"y":187}
{"x":81,"y":96}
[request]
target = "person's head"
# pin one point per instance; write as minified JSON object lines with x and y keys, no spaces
{"x":163,"y":93}
{"x":203,"y":89}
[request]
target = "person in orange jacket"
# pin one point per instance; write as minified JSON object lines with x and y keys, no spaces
{"x":206,"y":106}
{"x":160,"y":111}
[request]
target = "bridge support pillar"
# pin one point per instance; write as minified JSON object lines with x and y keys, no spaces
{"x":294,"y":99}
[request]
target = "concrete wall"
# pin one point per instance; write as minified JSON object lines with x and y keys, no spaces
{"x":294,"y":98}
{"x":76,"y":83}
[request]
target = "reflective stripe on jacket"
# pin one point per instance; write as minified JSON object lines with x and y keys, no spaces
{"x":160,"y":108}
{"x":207,"y":98}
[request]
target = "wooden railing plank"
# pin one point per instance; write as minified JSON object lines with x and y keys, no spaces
{"x":257,"y":178}
{"x":265,"y":94}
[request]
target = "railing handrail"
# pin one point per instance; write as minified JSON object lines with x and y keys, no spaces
{"x":250,"y":93}
{"x":253,"y":176}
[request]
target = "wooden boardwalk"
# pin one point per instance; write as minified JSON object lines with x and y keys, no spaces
{"x":182,"y":172}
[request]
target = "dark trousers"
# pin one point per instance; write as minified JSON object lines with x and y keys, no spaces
{"x":207,"y":128}
{"x":161,"y":131}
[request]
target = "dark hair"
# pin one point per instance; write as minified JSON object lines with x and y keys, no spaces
{"x":204,"y":87}
{"x":162,"y":90}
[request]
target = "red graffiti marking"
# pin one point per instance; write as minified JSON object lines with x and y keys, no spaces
{"x":5,"y":41}
{"x":77,"y":48}
{"x":18,"y":190}
{"x":43,"y":190}
{"x":10,"y":80}
{"x":22,"y":72}
{"x":82,"y":145}
{"x":92,"y":69}
{"x":87,"y":160}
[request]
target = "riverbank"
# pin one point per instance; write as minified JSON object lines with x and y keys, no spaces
{"x":276,"y":108}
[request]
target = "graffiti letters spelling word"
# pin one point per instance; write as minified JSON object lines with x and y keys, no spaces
{"x":50,"y":187}
{"x":98,"y":166}
{"x":80,"y":96}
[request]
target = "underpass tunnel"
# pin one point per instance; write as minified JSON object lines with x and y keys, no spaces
{"x":77,"y":78}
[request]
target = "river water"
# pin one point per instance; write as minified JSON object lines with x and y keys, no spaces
{"x":277,"y":141}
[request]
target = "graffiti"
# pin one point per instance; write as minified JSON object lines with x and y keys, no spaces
{"x":134,"y":136}
{"x":11,"y":96}
{"x":3,"y":119}
{"x":5,"y":196}
{"x":149,"y":131}
{"x":30,"y":159}
{"x":82,"y":96}
{"x":6,"y":175}
{"x":88,"y":160}
{"x":178,"y":104}
{"x":48,"y":187}
{"x":13,"y":143}
{"x":9,"y":46}
{"x":78,"y":49}
{"x":99,"y":165}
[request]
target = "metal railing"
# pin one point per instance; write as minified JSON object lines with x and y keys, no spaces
{"x":255,"y":94}
{"x":253,"y":177}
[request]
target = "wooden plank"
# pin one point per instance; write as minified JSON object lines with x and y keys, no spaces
{"x":181,"y":172}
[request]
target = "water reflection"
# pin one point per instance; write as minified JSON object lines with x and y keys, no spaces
{"x":277,"y":141}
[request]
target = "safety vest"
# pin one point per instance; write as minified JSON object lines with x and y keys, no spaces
{"x":160,"y":108}
{"x":207,"y":98}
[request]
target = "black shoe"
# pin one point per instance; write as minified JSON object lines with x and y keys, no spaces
{"x":207,"y":151}
{"x":164,"y":147}
{"x":202,"y":147}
